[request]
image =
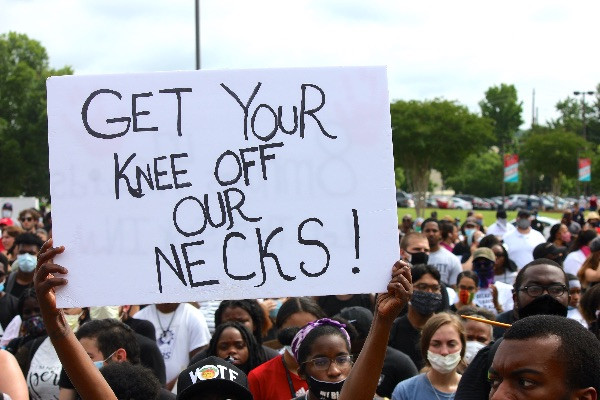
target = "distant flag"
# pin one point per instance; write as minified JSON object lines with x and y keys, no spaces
{"x":585,"y":170}
{"x":511,"y":168}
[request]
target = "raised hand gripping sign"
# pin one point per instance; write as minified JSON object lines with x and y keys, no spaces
{"x":185,"y":186}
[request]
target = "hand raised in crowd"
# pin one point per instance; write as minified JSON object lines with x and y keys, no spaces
{"x":364,"y":376}
{"x":84,"y":375}
{"x":45,"y":282}
{"x":399,"y":290}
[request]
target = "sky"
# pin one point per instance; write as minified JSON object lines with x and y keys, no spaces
{"x":454,"y":50}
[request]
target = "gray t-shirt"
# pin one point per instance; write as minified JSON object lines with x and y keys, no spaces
{"x":448,"y":265}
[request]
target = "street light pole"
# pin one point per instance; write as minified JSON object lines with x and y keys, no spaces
{"x":577,"y":93}
{"x":197,"y":34}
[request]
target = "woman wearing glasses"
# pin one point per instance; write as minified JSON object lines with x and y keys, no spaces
{"x":443,"y":345}
{"x":322,"y":349}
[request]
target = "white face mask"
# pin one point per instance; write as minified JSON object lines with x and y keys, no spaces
{"x":473,"y":348}
{"x":104,"y":312}
{"x":73,"y":321}
{"x":443,"y":364}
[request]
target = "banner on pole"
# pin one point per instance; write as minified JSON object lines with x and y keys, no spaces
{"x":511,"y":168}
{"x":585,"y":170}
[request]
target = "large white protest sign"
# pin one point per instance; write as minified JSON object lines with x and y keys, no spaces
{"x":180,"y":186}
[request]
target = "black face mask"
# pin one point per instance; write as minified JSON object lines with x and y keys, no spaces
{"x":425,"y":303}
{"x":418,"y":258}
{"x":543,"y":305}
{"x":324,"y":390}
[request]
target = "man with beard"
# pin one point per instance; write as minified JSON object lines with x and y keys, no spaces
{"x":541,"y":288}
{"x":425,"y":301}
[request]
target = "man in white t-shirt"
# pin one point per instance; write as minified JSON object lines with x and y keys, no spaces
{"x":181,"y":332}
{"x":501,"y":227}
{"x":521,"y":242}
{"x":446,"y":262}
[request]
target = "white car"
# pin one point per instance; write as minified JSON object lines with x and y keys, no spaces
{"x":461,"y":204}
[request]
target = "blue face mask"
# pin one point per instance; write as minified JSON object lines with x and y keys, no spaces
{"x":100,"y":364}
{"x":27,"y":262}
{"x":273,"y":312}
{"x":2,"y":287}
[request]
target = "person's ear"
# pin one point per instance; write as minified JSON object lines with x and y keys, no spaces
{"x":120,"y":355}
{"x":584,"y":394}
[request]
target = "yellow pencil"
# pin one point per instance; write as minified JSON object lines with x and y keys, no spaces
{"x":487,"y":321}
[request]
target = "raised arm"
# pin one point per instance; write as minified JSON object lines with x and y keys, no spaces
{"x":83,"y":374}
{"x":362,"y":381}
{"x":12,"y":382}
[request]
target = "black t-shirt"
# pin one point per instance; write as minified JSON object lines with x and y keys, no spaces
{"x":332,"y":305}
{"x":397,"y":367}
{"x":404,"y":337}
{"x":13,"y":287}
{"x":8,"y":309}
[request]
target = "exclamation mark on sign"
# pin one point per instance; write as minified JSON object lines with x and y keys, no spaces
{"x":356,"y":270}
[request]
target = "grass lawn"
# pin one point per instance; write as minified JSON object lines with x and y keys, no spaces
{"x":489,"y":217}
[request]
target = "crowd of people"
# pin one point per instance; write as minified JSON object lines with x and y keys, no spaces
{"x":470,"y":312}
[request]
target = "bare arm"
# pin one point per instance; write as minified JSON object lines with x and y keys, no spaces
{"x":12,"y":382}
{"x":86,"y":378}
{"x":362,"y":381}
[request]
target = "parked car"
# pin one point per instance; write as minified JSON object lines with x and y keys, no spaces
{"x":477,"y":202}
{"x":404,"y":199}
{"x":519,"y":201}
{"x":439,"y":201}
{"x":492,"y":203}
{"x":461,"y":204}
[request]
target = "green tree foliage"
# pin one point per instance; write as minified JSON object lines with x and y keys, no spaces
{"x":480,"y":175}
{"x":502,"y":105}
{"x":23,"y":123}
{"x":434,"y":134}
{"x":553,"y":152}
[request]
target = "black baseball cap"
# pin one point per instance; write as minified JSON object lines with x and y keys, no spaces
{"x":543,"y":250}
{"x":214,"y":375}
{"x":361,"y":318}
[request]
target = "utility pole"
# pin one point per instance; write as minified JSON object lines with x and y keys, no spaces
{"x":197,"y":34}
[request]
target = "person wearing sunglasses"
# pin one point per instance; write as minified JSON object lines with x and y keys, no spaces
{"x":29,"y":219}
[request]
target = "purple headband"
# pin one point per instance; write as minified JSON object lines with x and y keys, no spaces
{"x":302,"y":333}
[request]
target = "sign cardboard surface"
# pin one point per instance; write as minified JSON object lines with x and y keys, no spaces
{"x":186,"y":186}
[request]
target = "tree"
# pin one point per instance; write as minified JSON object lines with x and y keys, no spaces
{"x":553,"y":152}
{"x":23,"y":122}
{"x":502,"y":105}
{"x":434,"y":134}
{"x":479,"y":175}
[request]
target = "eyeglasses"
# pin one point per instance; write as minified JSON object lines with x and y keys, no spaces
{"x":469,"y":288}
{"x":555,"y":290}
{"x":425,"y":287}
{"x":323,"y":363}
{"x":26,"y":219}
